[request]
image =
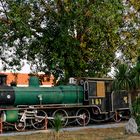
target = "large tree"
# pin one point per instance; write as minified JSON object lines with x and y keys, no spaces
{"x":69,"y":35}
{"x":130,"y":32}
{"x":136,"y":4}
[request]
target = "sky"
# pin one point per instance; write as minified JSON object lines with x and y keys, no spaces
{"x":25,"y":68}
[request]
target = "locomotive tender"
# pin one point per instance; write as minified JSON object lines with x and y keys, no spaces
{"x":83,"y":100}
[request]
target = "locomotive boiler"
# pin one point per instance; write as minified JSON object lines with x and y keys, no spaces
{"x":36,"y":95}
{"x":82,"y":101}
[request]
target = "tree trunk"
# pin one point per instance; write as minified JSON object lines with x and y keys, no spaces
{"x":130,"y":101}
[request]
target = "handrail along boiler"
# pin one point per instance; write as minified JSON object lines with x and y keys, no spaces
{"x":82,"y":101}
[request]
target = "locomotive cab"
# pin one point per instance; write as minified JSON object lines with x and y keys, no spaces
{"x":3,"y":79}
{"x":99,"y":92}
{"x":105,"y":103}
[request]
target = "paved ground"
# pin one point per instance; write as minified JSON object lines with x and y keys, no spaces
{"x":112,"y":125}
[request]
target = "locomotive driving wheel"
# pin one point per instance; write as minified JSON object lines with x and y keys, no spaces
{"x":83,"y":116}
{"x":20,"y":126}
{"x":63,"y":114}
{"x":117,"y":117}
{"x":39,"y":121}
{"x":21,"y":123}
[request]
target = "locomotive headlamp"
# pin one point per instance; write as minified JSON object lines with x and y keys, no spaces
{"x":8,"y":96}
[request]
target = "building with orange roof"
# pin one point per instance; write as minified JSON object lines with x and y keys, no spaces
{"x":22,"y":79}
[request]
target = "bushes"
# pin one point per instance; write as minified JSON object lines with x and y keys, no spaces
{"x":136,"y":112}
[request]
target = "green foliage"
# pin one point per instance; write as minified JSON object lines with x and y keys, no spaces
{"x":122,"y":78}
{"x":127,"y":78}
{"x":136,"y":74}
{"x":129,"y":32}
{"x":136,"y":4}
{"x":57,"y":122}
{"x":77,"y":36}
{"x":136,"y":111}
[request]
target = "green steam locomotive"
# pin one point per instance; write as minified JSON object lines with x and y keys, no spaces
{"x":82,"y":101}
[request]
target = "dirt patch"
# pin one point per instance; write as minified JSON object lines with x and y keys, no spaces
{"x":101,"y":134}
{"x":85,"y":134}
